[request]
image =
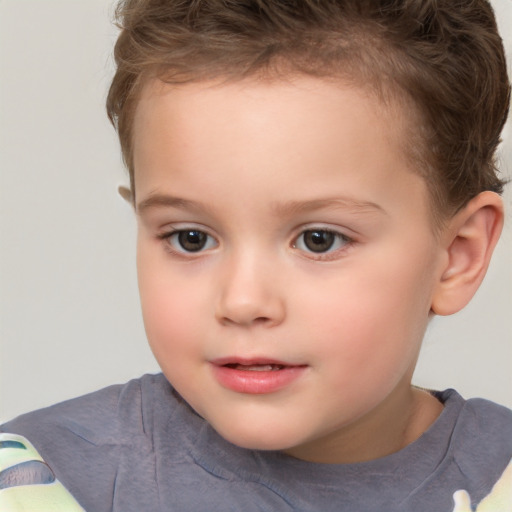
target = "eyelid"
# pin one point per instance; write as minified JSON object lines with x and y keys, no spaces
{"x":329,"y":255}
{"x":166,"y":234}
{"x":173,"y":227}
{"x":320,"y":226}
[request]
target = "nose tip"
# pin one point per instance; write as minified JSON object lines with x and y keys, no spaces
{"x":246,"y":314}
{"x":250,"y":299}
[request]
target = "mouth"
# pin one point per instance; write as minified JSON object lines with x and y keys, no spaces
{"x":255,"y":367}
{"x":255,"y":376}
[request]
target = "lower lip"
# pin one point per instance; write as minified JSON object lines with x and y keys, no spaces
{"x":256,"y":382}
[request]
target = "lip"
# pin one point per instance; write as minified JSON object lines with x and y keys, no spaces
{"x":255,"y":382}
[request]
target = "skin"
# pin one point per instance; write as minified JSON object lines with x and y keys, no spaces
{"x":253,"y":165}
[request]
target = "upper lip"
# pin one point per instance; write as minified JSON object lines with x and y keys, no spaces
{"x":250,"y":361}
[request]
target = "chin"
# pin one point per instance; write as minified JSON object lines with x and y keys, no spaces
{"x":265,"y":438}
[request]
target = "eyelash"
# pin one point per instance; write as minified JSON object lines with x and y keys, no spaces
{"x":167,"y":238}
{"x":343,"y":241}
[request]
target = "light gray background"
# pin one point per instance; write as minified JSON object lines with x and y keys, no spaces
{"x":69,"y":311}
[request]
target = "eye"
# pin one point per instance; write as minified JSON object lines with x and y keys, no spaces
{"x":321,"y":241}
{"x":190,"y":240}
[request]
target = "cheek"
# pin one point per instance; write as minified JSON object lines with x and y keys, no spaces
{"x":172,"y":329}
{"x":371,"y":320}
{"x":169,"y":306}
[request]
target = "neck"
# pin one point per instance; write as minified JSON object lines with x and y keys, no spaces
{"x":398,"y":421}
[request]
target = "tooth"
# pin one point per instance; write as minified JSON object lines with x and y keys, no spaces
{"x":256,"y":367}
{"x":259,"y":367}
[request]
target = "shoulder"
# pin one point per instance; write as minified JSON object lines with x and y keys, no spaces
{"x":481,"y":444}
{"x":84,"y":440}
{"x":487,"y":426}
{"x":101,"y":417}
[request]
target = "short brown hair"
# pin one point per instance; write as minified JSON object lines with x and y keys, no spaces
{"x":444,"y":55}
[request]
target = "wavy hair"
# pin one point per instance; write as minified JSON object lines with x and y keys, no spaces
{"x":445,"y":57}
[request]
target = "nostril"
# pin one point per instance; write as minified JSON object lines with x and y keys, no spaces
{"x":261,"y":320}
{"x":246,"y":320}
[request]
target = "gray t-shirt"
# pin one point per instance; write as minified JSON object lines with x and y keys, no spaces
{"x":140,"y":447}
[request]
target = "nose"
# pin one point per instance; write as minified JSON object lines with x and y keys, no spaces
{"x":250,"y":294}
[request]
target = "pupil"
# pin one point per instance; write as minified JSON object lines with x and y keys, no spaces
{"x":318,"y":241}
{"x":192,"y":241}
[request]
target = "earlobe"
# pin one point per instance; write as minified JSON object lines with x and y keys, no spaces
{"x":471,"y":237}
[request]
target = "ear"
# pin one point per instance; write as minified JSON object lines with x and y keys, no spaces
{"x":469,"y":241}
{"x":126,"y":194}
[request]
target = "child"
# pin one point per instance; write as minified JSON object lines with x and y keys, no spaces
{"x":313,"y":182}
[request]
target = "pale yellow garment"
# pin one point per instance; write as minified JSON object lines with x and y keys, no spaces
{"x":498,"y":500}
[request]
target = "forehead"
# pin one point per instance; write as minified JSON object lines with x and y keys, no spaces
{"x":254,"y":114}
{"x":294,"y":141}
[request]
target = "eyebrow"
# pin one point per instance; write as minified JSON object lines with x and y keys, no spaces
{"x":282,"y":209}
{"x":166,"y":201}
{"x":342,"y":203}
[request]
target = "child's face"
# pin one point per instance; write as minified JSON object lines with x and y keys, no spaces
{"x":286,"y":259}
